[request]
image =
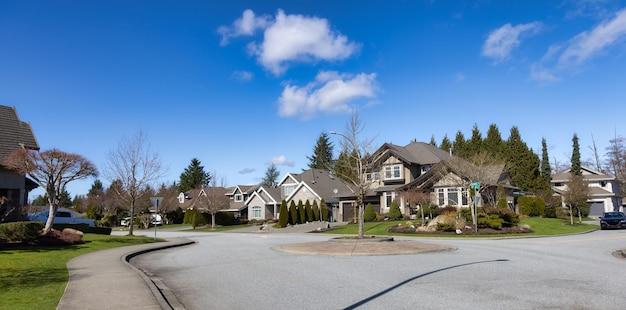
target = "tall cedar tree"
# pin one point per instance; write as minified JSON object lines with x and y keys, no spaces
{"x":445,"y":145}
{"x":193,"y":176}
{"x":293,"y":211}
{"x":283,"y":215}
{"x":316,"y":211}
{"x":271,"y":176}
{"x":325,"y":211}
{"x":344,"y":166}
{"x":432,"y":140}
{"x":459,"y":148}
{"x":546,"y":170}
{"x":493,"y":142}
{"x":301,"y":212}
{"x":576,"y":167}
{"x":322,"y":157}
{"x":309,"y":211}
{"x":523,"y":163}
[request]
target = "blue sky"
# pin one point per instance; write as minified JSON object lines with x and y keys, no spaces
{"x":240,"y":84}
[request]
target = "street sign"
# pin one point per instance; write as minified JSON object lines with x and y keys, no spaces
{"x":156,"y":201}
{"x":475,"y":185}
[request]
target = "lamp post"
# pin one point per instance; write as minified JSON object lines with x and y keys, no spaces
{"x":358,"y":182}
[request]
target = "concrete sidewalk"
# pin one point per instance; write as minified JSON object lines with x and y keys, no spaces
{"x":105,"y":280}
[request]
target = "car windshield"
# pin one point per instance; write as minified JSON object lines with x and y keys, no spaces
{"x":613,"y":214}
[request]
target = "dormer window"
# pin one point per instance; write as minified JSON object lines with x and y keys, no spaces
{"x":289,"y":189}
{"x":181,"y":198}
{"x":238,"y":197}
{"x":393,"y":172}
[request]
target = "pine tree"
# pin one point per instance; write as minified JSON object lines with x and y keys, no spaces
{"x":394,"y":211}
{"x":283,"y":215}
{"x":293,"y":210}
{"x":369,"y":214}
{"x":576,"y":168}
{"x":459,"y":146}
{"x":545,"y":162}
{"x":316,"y":211}
{"x":193,"y":176}
{"x":493,"y":142}
{"x":322,"y":157}
{"x":523,"y":163}
{"x":271,"y":176}
{"x":474,"y":145}
{"x":445,"y":145}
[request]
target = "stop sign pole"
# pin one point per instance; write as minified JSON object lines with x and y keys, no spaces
{"x":156,"y":201}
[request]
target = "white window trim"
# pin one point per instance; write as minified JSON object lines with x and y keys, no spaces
{"x":254,"y":210}
{"x":392,"y":170}
{"x":238,"y":197}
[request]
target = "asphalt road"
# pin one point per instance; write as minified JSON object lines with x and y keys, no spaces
{"x":241,"y":271}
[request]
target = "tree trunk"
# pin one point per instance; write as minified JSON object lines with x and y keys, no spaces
{"x":213,"y":220}
{"x":53,"y":211}
{"x":132,"y":218}
{"x":571,"y":216}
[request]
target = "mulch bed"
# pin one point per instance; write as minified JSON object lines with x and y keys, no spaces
{"x":464,"y":231}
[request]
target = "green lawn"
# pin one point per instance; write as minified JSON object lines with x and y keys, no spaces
{"x":207,"y":228}
{"x":540,"y":226}
{"x":34,"y":277}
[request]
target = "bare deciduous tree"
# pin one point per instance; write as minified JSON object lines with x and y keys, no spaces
{"x":214,"y":198}
{"x":615,"y":161}
{"x":575,"y":196}
{"x":355,"y":168}
{"x":133,"y":164}
{"x":417,"y":198}
{"x":52,"y":170}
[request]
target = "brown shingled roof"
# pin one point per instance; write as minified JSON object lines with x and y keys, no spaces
{"x":14,"y":134}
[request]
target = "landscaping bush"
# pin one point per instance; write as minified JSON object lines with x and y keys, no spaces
{"x":309,"y":211}
{"x":508,"y":217}
{"x":27,"y":232}
{"x":449,"y":222}
{"x":60,"y":237}
{"x":489,"y":221}
{"x":446,"y":209}
{"x":325,"y":212}
{"x":550,"y":212}
{"x":394,"y":211}
{"x":531,"y":206}
{"x":176,"y":217}
{"x":283,"y":215}
{"x":369,"y":214}
{"x":316,"y":211}
{"x":293,"y":211}
{"x":466,"y":213}
{"x":301,"y":212}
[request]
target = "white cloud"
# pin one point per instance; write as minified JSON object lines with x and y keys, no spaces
{"x":539,"y":73}
{"x":459,"y":77}
{"x":588,"y":44}
{"x":282,"y":161}
{"x":503,"y":40}
{"x":242,"y":76}
{"x":331,"y":92}
{"x":290,"y":38}
{"x":247,"y":170}
{"x":247,"y":25}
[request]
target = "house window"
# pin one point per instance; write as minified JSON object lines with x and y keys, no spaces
{"x":453,"y":197}
{"x":256,"y":212}
{"x":425,"y":168}
{"x":393,"y":172}
{"x":464,"y":195}
{"x":238,"y":197}
{"x":389,"y":199}
{"x":372,"y":176}
{"x":441,"y":196}
{"x":289,"y":189}
{"x":603,"y":183}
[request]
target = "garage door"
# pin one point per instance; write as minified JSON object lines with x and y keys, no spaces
{"x":597,"y":208}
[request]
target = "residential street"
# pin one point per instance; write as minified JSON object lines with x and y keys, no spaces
{"x":241,"y":271}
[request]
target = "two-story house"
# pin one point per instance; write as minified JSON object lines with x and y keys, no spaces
{"x":14,"y":134}
{"x":389,"y":168}
{"x":604,"y":190}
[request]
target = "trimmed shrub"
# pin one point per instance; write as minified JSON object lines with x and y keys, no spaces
{"x":293,"y":211}
{"x":369,"y":214}
{"x":316,"y":211}
{"x":21,"y":231}
{"x":489,"y":221}
{"x":325,"y":212}
{"x":394,"y":211}
{"x":58,"y":237}
{"x":549,"y":212}
{"x":302,"y":212}
{"x":176,"y":217}
{"x":531,"y":206}
{"x":446,"y":209}
{"x":309,"y":211}
{"x":466,"y":213}
{"x":283,"y":215}
{"x":508,"y":217}
{"x":84,"y":228}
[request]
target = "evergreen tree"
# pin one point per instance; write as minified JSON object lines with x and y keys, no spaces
{"x":474,"y":145}
{"x":369,"y":214}
{"x":309,"y":211}
{"x":394,"y":211}
{"x":345,"y":166}
{"x":302,"y":212}
{"x":432,"y":140}
{"x":493,"y":142}
{"x":271,"y":176}
{"x":459,"y":146}
{"x":576,"y":168}
{"x":293,"y":210}
{"x":40,"y":200}
{"x":283,"y":215}
{"x":193,"y":176}
{"x":545,"y":162}
{"x":322,"y":157}
{"x":325,"y":213}
{"x":316,"y":211}
{"x":523,"y":163}
{"x":445,"y":145}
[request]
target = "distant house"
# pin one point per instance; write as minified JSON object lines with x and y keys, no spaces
{"x":264,"y":203}
{"x":604,"y":190}
{"x":14,"y":134}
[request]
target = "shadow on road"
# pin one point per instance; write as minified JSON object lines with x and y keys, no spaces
{"x":366,"y":300}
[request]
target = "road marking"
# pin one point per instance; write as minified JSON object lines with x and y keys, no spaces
{"x":581,"y":240}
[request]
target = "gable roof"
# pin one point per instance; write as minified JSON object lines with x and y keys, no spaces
{"x":269,"y":195}
{"x":14,"y":134}
{"x":324,"y":184}
{"x":414,"y":153}
{"x":588,"y":175}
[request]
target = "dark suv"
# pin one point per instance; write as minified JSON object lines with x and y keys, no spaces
{"x":615,"y":220}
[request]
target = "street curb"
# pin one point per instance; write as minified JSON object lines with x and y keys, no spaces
{"x":162,"y":294}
